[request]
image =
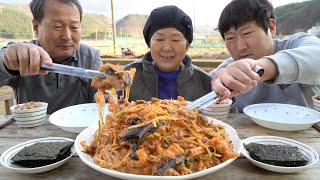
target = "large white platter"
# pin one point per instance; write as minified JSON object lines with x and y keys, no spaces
{"x":78,"y":117}
{"x":6,"y":157}
{"x":283,"y":117}
{"x":87,"y":135}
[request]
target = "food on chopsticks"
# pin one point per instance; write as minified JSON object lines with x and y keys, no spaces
{"x":160,"y":137}
{"x":42,"y":153}
{"x":28,"y":105}
{"x":278,"y":155}
{"x":116,"y":80}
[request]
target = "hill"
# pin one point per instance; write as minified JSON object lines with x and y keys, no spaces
{"x":15,"y":22}
{"x":297,"y":17}
{"x":96,"y":26}
{"x":291,"y":18}
{"x":132,"y":25}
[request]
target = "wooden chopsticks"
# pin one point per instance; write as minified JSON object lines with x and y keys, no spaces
{"x":317,"y":127}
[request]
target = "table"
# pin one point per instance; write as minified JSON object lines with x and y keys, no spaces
{"x":241,"y":168}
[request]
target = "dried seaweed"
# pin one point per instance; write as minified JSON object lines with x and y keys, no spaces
{"x":278,"y":155}
{"x":42,"y":153}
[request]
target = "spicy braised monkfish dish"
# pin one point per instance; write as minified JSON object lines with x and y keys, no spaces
{"x":116,"y":80}
{"x":160,"y":137}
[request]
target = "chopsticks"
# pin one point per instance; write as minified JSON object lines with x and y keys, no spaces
{"x":72,"y":71}
{"x":7,"y":122}
{"x":317,"y":127}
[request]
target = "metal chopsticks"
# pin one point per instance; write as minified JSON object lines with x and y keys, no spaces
{"x":72,"y":71}
{"x":317,"y":127}
{"x":6,"y":122}
{"x":204,"y":101}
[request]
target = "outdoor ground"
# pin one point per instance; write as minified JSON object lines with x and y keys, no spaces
{"x":138,"y":46}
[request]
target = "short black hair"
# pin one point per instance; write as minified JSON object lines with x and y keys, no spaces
{"x":239,"y":12}
{"x":36,"y":7}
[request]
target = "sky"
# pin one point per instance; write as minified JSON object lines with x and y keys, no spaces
{"x":202,"y":12}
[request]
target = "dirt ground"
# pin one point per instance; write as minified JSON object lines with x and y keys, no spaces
{"x":193,"y":53}
{"x":139,"y":49}
{"x":107,"y":51}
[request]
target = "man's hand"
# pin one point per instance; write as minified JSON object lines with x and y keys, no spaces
{"x":26,"y":58}
{"x":236,"y":79}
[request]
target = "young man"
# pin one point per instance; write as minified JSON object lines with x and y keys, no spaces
{"x":291,"y":65}
{"x":57,"y":25}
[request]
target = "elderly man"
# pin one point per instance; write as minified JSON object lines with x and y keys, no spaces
{"x":56,"y":24}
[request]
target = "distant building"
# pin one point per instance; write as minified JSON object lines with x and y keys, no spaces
{"x":315,"y":30}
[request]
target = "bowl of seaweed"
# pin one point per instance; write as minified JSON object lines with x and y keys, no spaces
{"x":38,"y":155}
{"x":279,"y":154}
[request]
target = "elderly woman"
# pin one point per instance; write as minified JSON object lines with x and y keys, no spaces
{"x":166,"y":72}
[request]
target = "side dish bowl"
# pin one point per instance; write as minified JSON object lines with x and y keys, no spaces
{"x":87,"y":136}
{"x":6,"y":161}
{"x":30,"y":117}
{"x":306,"y":150}
{"x":282,"y":117}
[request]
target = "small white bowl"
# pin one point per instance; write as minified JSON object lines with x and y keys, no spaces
{"x":316,"y":102}
{"x":282,"y":117}
{"x":6,"y":156}
{"x":33,"y":110}
{"x":218,"y":111}
{"x":31,"y":123}
{"x":306,"y":150}
{"x":30,"y":117}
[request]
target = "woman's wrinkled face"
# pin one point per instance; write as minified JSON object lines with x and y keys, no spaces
{"x":59,"y":31}
{"x":168,"y":48}
{"x":250,"y":41}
